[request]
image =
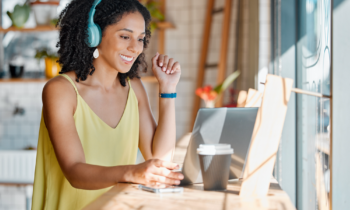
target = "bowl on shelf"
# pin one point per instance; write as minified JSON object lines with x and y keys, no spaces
{"x":16,"y":71}
{"x":44,"y":12}
{"x":16,"y":66}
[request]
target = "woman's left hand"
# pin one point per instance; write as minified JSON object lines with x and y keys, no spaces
{"x":167,"y":72}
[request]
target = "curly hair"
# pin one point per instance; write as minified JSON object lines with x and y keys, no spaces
{"x":75,"y":55}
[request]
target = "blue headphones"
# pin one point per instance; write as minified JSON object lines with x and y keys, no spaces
{"x":94,"y":31}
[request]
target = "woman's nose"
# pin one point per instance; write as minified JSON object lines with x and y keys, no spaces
{"x":135,"y":47}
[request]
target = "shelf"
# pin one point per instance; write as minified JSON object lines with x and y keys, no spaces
{"x":36,"y":29}
{"x":23,"y":80}
{"x":15,"y":184}
{"x":165,"y":25}
{"x":148,"y":79}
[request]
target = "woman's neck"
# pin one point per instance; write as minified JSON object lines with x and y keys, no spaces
{"x":104,"y":75}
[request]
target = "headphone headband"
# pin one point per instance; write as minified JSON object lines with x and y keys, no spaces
{"x":94,"y":30}
{"x":92,"y":11}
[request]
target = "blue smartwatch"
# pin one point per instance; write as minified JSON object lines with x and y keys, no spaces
{"x":167,"y":95}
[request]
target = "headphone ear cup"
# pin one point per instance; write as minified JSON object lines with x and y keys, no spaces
{"x":94,"y":35}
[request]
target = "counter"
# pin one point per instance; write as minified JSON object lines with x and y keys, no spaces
{"x":128,"y":196}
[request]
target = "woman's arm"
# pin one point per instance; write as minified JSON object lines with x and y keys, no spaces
{"x":159,"y":141}
{"x":59,"y":102}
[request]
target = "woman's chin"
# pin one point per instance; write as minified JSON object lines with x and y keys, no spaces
{"x":122,"y":71}
{"x":124,"y":68}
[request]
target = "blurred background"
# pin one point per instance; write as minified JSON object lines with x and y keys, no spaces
{"x":212,"y":39}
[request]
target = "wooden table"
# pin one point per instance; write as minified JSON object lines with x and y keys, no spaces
{"x":128,"y":196}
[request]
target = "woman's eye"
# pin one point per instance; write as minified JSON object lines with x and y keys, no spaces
{"x":124,"y":37}
{"x":141,"y":40}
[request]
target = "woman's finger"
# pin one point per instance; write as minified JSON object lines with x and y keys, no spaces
{"x":161,"y":60}
{"x":165,"y":63}
{"x":164,"y":180}
{"x":165,"y":164}
{"x":170,"y":65}
{"x":155,"y":58}
{"x":175,"y":67}
{"x":167,"y":173}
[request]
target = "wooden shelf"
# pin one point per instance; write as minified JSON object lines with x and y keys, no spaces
{"x":148,"y":79}
{"x":23,"y":80}
{"x":36,"y":29}
{"x":165,"y":25}
{"x":15,"y":184}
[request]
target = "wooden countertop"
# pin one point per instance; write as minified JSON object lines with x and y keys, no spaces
{"x":128,"y":196}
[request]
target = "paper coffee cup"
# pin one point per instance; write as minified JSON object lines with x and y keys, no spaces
{"x":215,"y":161}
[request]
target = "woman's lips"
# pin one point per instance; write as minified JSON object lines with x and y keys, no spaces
{"x":126,"y":59}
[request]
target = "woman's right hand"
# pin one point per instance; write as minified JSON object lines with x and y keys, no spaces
{"x":155,"y":172}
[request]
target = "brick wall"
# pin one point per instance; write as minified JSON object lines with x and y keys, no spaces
{"x":18,"y":131}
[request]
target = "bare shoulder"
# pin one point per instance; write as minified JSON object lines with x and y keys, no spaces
{"x":58,"y":89}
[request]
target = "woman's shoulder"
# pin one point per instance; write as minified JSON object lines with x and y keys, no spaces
{"x":59,"y":88}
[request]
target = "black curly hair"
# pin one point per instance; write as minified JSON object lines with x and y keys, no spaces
{"x":75,"y":55}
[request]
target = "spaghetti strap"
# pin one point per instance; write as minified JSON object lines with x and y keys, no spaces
{"x":70,"y":80}
{"x":129,"y":81}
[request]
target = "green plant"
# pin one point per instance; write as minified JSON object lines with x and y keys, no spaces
{"x":156,"y":14}
{"x":20,"y":15}
{"x":232,"y":77}
{"x":43,"y":53}
{"x":54,"y":22}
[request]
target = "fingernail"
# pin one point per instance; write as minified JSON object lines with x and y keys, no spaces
{"x":180,"y":176}
{"x":161,"y":64}
{"x":177,"y":182}
{"x":164,"y":68}
{"x":172,"y":71}
{"x":167,"y":71}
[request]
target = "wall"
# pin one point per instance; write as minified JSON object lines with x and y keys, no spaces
{"x":19,"y":131}
{"x":265,"y":37}
{"x":341,"y":101}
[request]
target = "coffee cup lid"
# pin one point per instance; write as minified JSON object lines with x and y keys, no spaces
{"x":215,"y":146}
{"x":214,"y":149}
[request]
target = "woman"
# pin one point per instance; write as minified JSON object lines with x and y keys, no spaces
{"x":96,"y":114}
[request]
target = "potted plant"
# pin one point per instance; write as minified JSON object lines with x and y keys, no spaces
{"x":20,"y":15}
{"x":156,"y":14}
{"x":52,"y":68}
{"x":209,"y":95}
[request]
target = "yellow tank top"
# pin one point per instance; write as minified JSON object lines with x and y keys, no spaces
{"x":103,"y":145}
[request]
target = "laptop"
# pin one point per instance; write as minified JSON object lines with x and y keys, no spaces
{"x":232,"y":126}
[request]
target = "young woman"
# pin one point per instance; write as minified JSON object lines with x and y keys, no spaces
{"x":96,"y":113}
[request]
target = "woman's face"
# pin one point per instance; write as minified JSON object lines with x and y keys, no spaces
{"x":122,"y":42}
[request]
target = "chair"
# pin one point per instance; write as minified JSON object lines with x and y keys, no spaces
{"x":266,"y":136}
{"x":253,"y":98}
